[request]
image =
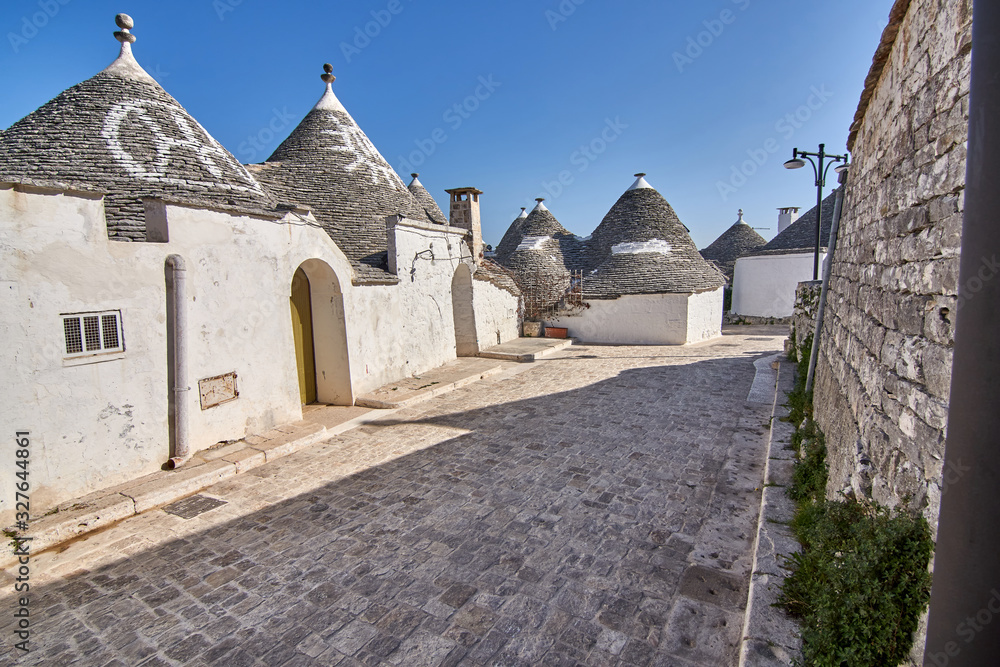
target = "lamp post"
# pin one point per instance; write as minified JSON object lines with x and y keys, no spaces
{"x":797,"y":163}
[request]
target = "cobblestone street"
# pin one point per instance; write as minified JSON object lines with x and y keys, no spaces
{"x":596,"y":507}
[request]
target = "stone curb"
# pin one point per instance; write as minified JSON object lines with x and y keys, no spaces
{"x":420,"y":397}
{"x":206,"y":468}
{"x":528,"y":357}
{"x":770,"y":636}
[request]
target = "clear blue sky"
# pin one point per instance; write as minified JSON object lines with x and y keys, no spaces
{"x":684,"y":91}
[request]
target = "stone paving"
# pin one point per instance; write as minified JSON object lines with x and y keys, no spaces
{"x":595,"y":508}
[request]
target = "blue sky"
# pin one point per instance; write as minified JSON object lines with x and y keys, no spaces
{"x":563,"y":99}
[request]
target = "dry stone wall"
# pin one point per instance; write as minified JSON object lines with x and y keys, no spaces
{"x":803,"y":324}
{"x":885,"y":366}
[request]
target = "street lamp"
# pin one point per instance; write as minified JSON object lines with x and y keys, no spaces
{"x":797,"y":163}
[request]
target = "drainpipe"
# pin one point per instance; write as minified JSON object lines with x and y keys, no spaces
{"x":831,"y":249}
{"x":964,"y":624}
{"x":178,"y":299}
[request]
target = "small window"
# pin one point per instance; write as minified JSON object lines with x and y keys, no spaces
{"x":93,"y":333}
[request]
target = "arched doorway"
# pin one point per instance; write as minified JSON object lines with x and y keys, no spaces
{"x":466,"y":339}
{"x":326,"y":339}
{"x":302,"y":329}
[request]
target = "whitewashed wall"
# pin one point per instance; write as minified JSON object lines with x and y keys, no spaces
{"x":646,"y":319}
{"x":764,"y":285}
{"x":104,"y":421}
{"x":496,"y":314}
{"x":705,"y":316}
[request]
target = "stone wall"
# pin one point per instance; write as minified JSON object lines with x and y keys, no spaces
{"x":803,"y":322}
{"x":885,"y":365}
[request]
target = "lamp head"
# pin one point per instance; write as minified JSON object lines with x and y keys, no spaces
{"x":795,"y":163}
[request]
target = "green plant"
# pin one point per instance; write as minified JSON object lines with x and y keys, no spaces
{"x":861,"y":581}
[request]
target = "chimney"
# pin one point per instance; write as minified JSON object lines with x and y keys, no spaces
{"x":786,"y":216}
{"x":464,"y":213}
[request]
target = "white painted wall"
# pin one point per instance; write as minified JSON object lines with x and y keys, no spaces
{"x":764,"y":285}
{"x":496,"y":314}
{"x":104,"y":421}
{"x":647,"y":319}
{"x":705,"y":316}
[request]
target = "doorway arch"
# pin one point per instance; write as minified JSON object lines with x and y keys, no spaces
{"x":327,"y":325}
{"x":466,"y":338}
{"x":302,"y":330}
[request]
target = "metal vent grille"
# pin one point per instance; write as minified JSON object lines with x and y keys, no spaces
{"x":193,"y":506}
{"x":87,"y":334}
{"x":74,"y":343}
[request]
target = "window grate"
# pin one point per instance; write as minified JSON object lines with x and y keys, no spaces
{"x":109,"y":327}
{"x":74,"y":342}
{"x":87,"y":334}
{"x":92,"y":333}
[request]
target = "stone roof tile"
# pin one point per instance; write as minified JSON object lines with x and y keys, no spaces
{"x":735,"y":242}
{"x":800,"y":236}
{"x":330,"y":166}
{"x":119,"y":132}
{"x":426,"y":201}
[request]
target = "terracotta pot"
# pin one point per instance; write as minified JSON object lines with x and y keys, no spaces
{"x":556,"y":332}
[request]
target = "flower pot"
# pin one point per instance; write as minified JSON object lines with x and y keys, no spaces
{"x":556,"y":332}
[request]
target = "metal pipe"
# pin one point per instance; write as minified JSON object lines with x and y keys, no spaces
{"x":964,"y":623}
{"x":178,"y":298}
{"x":827,"y":268}
{"x":819,"y":210}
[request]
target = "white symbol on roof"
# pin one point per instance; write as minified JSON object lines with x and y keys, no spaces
{"x":187,"y":138}
{"x":355,"y":144}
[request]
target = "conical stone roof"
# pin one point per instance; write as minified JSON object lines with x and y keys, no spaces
{"x":800,"y":236}
{"x":426,"y":201}
{"x":737,"y":241}
{"x":120,"y":133}
{"x":543,"y":256}
{"x":641,"y":247}
{"x":512,"y":237}
{"x":329,"y":165}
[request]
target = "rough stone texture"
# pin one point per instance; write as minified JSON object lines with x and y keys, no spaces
{"x":120,"y":133}
{"x":737,"y":241}
{"x":329,"y":165}
{"x":426,"y":201}
{"x":562,"y":515}
{"x":885,"y":365}
{"x":541,"y":269}
{"x":642,"y":215}
{"x":800,"y":236}
{"x":884,"y":371}
{"x":806,"y":310}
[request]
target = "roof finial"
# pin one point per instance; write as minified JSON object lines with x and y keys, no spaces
{"x":414,"y":175}
{"x":125,"y":22}
{"x":524,"y":208}
{"x":741,"y":216}
{"x":327,"y":74}
{"x":640,"y":183}
{"x":539,"y":199}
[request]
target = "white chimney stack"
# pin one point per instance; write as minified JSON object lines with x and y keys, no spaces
{"x":786,"y":216}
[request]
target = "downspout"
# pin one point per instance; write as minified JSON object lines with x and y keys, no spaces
{"x":178,"y":298}
{"x":827,"y":268}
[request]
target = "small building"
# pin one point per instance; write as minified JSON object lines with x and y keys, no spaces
{"x":737,"y":241}
{"x":645,"y":282}
{"x":764,"y":282}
